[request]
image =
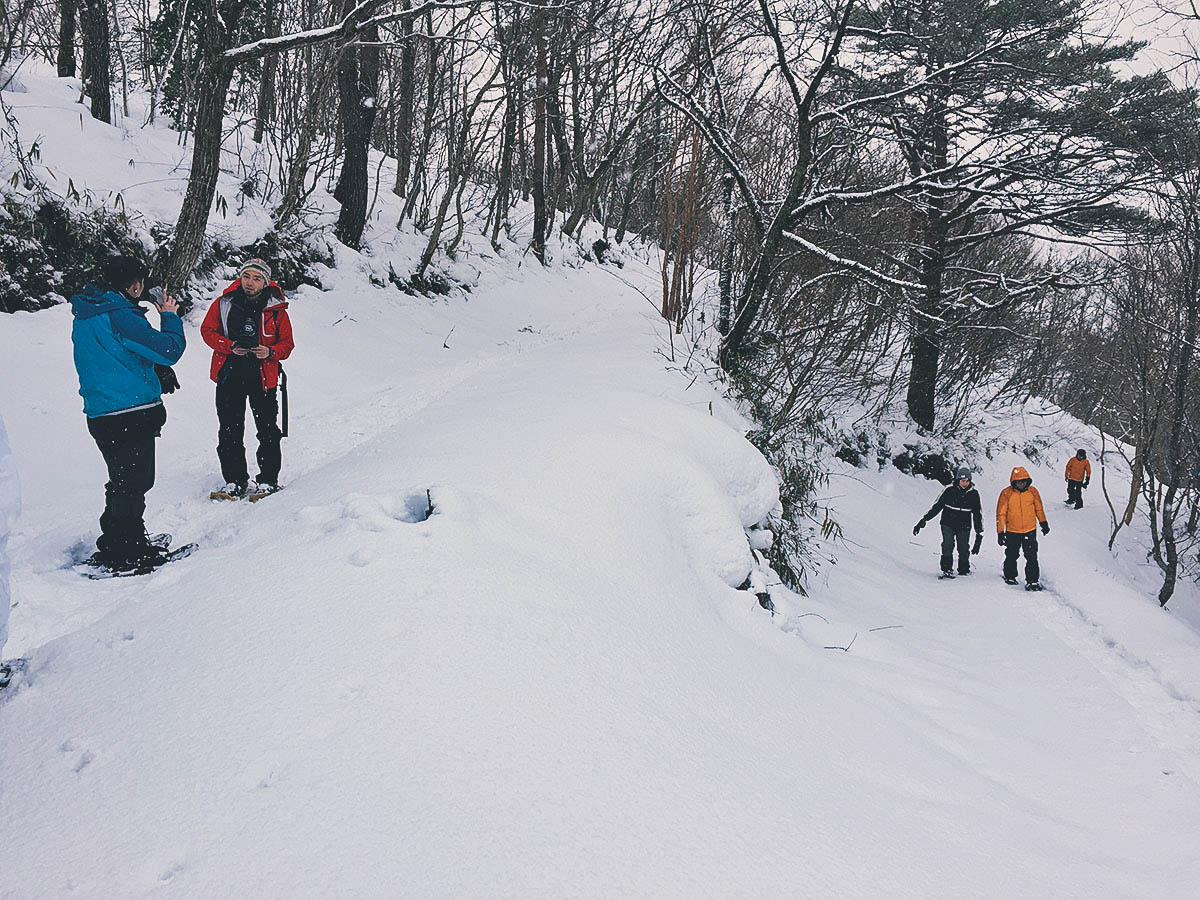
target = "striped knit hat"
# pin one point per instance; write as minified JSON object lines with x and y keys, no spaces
{"x":255,"y":265}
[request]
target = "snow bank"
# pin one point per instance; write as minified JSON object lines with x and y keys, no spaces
{"x":128,"y":165}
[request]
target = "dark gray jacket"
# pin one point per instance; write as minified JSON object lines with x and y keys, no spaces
{"x":958,"y":508}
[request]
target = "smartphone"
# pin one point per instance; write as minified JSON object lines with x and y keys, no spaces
{"x":156,"y":295}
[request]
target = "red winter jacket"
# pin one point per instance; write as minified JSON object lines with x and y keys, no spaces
{"x":275,"y":331}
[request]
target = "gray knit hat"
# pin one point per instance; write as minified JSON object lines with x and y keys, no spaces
{"x":255,"y":265}
{"x":963,"y":472}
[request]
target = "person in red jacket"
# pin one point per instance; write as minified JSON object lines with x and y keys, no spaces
{"x":250,"y":333}
{"x":1079,"y":476}
{"x":1019,"y":512}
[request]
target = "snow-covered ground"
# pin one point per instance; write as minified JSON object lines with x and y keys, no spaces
{"x":552,"y":686}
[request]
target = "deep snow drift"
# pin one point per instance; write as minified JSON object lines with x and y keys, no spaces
{"x":552,"y":685}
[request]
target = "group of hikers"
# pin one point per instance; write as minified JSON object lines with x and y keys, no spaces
{"x":1019,"y":515}
{"x":123,"y":363}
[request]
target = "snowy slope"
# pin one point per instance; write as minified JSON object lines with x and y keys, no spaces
{"x":552,"y":686}
{"x":10,"y":509}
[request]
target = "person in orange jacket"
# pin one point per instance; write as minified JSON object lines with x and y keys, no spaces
{"x":1018,"y":514}
{"x":1079,"y":476}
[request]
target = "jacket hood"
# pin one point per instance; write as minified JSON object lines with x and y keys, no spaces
{"x":95,"y":301}
{"x":276,"y":299}
{"x":1018,"y":474}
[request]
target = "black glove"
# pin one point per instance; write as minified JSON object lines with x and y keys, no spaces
{"x":978,"y":543}
{"x":917,"y":528}
{"x":1000,"y":539}
{"x":1086,"y":483}
{"x":166,"y":378}
{"x":1045,"y":528}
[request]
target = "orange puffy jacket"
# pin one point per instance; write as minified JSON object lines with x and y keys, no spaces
{"x":1019,"y":511}
{"x":1079,"y":469}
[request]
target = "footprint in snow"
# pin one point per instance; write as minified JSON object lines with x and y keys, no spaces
{"x":76,"y":758}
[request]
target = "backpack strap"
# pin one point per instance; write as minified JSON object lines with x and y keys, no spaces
{"x":283,"y":402}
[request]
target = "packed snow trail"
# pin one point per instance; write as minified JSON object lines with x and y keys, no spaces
{"x":549,"y":686}
{"x":1143,"y":654}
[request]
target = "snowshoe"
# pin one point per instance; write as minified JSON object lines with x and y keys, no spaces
{"x":98,"y":565}
{"x":258,"y":491}
{"x":162,"y":541}
{"x":231,"y":491}
{"x":1034,"y":586}
{"x":1010,"y":581}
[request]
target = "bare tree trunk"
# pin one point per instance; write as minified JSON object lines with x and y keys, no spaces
{"x":1190,"y":299}
{"x":116,"y":44}
{"x":265,"y":108}
{"x":358,"y":91}
{"x":66,"y":39}
{"x":1170,"y":556}
{"x":670,"y":237}
{"x":504,"y":180}
{"x":758,"y":279}
{"x":459,"y":154}
{"x":431,"y":94}
{"x":587,"y":184}
{"x":293,"y":186}
{"x":508,"y":138}
{"x":556,"y":134}
{"x":97,"y":60}
{"x":928,"y":262}
{"x":922,"y":380}
{"x":404,"y":107}
{"x":725,"y":276}
{"x":539,"y":141}
{"x":212,"y":89}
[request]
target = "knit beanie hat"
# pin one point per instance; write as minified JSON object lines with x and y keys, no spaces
{"x":255,"y":265}
{"x":963,"y":472}
{"x":119,"y":272}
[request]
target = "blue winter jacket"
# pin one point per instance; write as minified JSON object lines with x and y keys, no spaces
{"x":116,"y":349}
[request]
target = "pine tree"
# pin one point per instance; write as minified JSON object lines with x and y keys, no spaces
{"x":1002,"y":136}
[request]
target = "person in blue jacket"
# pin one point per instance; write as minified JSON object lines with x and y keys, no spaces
{"x":116,"y":354}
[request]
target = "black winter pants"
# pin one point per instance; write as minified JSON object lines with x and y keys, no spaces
{"x":1075,"y":493}
{"x":237,"y":386}
{"x":1014,"y":545}
{"x":951,"y":537}
{"x":126,"y":441}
